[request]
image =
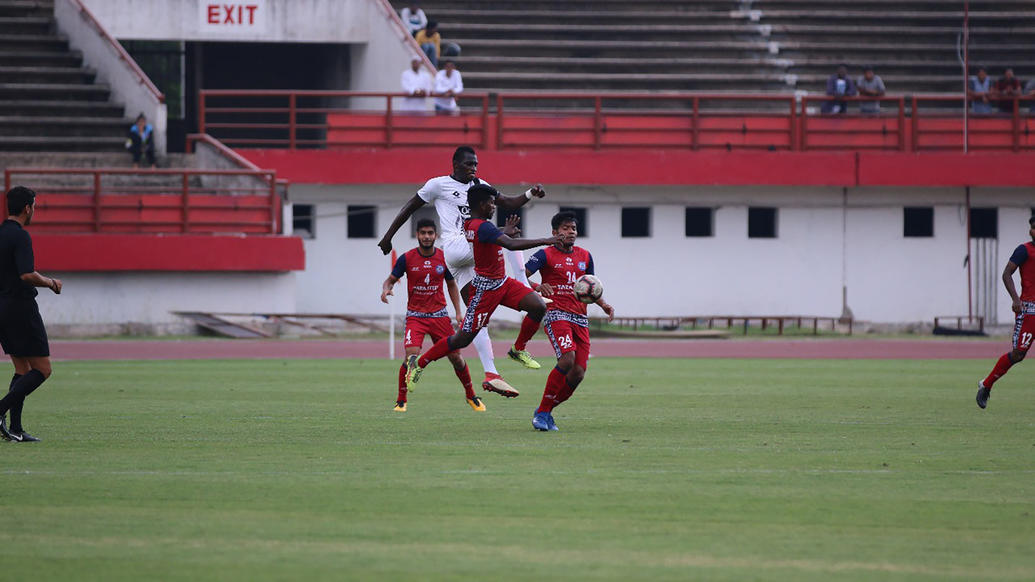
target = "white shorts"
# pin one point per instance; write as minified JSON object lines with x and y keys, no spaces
{"x":459,"y":259}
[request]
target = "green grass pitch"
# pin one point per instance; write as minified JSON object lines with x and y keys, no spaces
{"x":663,"y":470}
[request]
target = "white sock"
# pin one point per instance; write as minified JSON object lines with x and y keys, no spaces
{"x":516,"y":260}
{"x":484,"y":347}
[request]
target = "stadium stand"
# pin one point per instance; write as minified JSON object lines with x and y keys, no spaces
{"x":761,"y":45}
{"x":48,"y":100}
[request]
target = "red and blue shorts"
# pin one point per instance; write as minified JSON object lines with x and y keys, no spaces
{"x":487,"y":295}
{"x":1024,"y":328}
{"x":567,"y":335}
{"x":418,"y":327}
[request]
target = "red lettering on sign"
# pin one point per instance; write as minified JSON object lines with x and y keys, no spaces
{"x":229,"y":14}
{"x":213,"y":14}
{"x":251,"y":12}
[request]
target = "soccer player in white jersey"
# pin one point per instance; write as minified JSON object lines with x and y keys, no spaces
{"x":449,"y":195}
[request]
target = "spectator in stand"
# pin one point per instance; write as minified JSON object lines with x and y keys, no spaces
{"x":870,"y":85}
{"x":141,"y":141}
{"x":448,"y":84}
{"x":839,"y":85}
{"x":1029,"y":91}
{"x":430,"y":41}
{"x":414,"y":18}
{"x":1006,"y":89}
{"x":416,"y":82}
{"x":980,"y":92}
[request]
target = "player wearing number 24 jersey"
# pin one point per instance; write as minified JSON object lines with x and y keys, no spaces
{"x":1022,"y":259}
{"x":426,"y":274}
{"x":491,"y":286}
{"x":565,"y":323}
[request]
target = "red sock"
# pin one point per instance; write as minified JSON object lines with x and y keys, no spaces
{"x":554,"y":383}
{"x":528,"y":328}
{"x":465,"y":379}
{"x":998,"y":371}
{"x":435,"y":352}
{"x":402,"y":383}
{"x":565,"y":392}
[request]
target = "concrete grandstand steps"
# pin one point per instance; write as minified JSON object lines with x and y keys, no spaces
{"x":53,"y":144}
{"x":584,"y":81}
{"x":458,"y":32}
{"x":432,"y":8}
{"x":59,"y":75}
{"x":605,"y":48}
{"x":25,"y":7}
{"x":55,"y":91}
{"x":85,"y":160}
{"x":41,"y":59}
{"x":61,"y":108}
{"x":622,"y":65}
{"x":61,"y":126}
{"x":882,"y":32}
{"x":34,"y":25}
{"x":898,"y":17}
{"x":33,"y":42}
{"x":578,"y":16}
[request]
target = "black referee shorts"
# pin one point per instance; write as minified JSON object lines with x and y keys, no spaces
{"x":21,"y":329}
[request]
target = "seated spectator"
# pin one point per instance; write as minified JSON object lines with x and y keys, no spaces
{"x":1029,"y":91}
{"x":430,"y":41}
{"x":980,"y":92}
{"x":839,"y":85}
{"x":870,"y":85}
{"x":416,"y":82}
{"x":1006,"y":89}
{"x":414,"y":18}
{"x":141,"y":141}
{"x":448,"y":84}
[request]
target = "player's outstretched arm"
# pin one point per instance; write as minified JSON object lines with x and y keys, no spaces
{"x":454,"y":298}
{"x":37,"y":280}
{"x":522,"y":244}
{"x":608,"y":309}
{"x":404,"y":214}
{"x":512,"y":202}
{"x":386,"y":288}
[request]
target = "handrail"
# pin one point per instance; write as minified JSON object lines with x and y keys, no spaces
{"x":119,"y":50}
{"x":393,"y":17}
{"x":194,"y":138}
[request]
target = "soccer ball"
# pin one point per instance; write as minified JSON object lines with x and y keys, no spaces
{"x":588,"y":289}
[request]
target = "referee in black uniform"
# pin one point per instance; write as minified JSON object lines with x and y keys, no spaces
{"x":22,"y":334}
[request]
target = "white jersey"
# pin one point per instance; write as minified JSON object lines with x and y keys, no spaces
{"x":450,"y":200}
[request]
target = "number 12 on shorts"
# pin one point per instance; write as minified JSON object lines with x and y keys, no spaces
{"x":1026,"y":340}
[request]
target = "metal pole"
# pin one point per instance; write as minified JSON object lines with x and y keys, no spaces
{"x":391,"y":318}
{"x":966,"y":71}
{"x":970,"y":301}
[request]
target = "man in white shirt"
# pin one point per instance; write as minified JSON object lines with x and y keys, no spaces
{"x":416,"y":82}
{"x":449,"y":195}
{"x":448,"y":84}
{"x":414,"y":18}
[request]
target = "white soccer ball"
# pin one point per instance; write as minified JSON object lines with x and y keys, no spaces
{"x":588,"y":289}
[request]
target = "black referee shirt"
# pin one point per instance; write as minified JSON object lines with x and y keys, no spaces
{"x":15,"y":260}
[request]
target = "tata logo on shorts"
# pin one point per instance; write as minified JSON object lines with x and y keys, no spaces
{"x":582,"y":265}
{"x":440,"y":269}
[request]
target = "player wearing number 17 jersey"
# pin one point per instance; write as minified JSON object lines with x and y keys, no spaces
{"x":425,"y":270}
{"x":491,"y":287}
{"x":566,"y":322}
{"x":1023,"y":259}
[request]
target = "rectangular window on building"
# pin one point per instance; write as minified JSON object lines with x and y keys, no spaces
{"x":502,"y":216}
{"x":580,"y":218}
{"x":303,"y":222}
{"x":984,"y":223}
{"x":635,"y":221}
{"x":918,"y":221}
{"x":699,"y":221}
{"x":361,"y":221}
{"x":761,"y":222}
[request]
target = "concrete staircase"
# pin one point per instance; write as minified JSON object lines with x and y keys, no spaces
{"x":727,"y":45}
{"x":48,"y":100}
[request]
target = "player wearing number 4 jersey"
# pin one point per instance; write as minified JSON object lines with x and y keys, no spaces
{"x":449,"y":196}
{"x":425,"y":270}
{"x":566,"y":323}
{"x":491,"y":286}
{"x":1023,"y":258}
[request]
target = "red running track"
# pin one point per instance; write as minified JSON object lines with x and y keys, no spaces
{"x":831,"y":349}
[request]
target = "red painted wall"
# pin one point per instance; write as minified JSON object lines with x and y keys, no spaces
{"x":144,"y":252}
{"x":413,"y":166}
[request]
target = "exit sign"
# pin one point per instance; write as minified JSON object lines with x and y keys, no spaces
{"x":234,"y":18}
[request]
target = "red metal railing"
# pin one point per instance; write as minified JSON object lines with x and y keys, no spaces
{"x":321,"y":119}
{"x":116,"y":200}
